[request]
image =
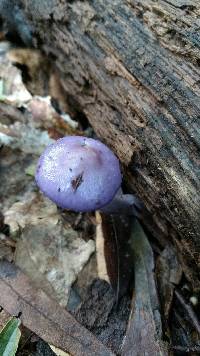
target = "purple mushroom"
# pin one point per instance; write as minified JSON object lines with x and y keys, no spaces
{"x":82,"y":174}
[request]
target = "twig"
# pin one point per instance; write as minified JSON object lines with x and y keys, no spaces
{"x":44,"y":316}
{"x":189,"y":310}
{"x":186,"y":348}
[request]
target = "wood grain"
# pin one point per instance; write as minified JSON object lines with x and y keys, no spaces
{"x":133,"y":68}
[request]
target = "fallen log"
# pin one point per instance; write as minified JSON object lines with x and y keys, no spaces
{"x":132,"y":67}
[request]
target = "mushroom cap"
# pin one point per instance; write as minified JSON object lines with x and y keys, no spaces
{"x":78,"y":173}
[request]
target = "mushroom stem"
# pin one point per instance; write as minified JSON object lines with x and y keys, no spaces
{"x":127,"y":204}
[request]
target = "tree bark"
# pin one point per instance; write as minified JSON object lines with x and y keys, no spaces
{"x":133,"y":68}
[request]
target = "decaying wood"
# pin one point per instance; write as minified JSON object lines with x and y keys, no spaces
{"x":100,"y":313}
{"x":133,"y":68}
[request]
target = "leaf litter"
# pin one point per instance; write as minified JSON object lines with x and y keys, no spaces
{"x":48,"y":250}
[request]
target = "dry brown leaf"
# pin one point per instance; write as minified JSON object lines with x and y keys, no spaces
{"x":32,"y":209}
{"x":14,"y":181}
{"x":144,"y":333}
{"x":50,"y":254}
{"x":114,"y":260}
{"x":169,"y":273}
{"x":54,"y":253}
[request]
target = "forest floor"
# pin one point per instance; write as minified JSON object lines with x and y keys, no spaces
{"x":113,"y":277}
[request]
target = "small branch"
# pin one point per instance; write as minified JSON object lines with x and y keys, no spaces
{"x":189,"y":310}
{"x":44,"y":316}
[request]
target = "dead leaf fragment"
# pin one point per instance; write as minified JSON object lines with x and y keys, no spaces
{"x":168,"y":272}
{"x":55,"y":254}
{"x":58,"y":352}
{"x":144,"y":331}
{"x":5,"y":251}
{"x":32,"y":208}
{"x":114,"y":260}
{"x":14,"y":182}
{"x":49,"y":253}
